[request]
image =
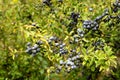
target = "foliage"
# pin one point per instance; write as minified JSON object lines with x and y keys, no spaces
{"x":59,"y":40}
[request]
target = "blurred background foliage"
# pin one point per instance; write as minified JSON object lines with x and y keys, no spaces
{"x":23,"y":21}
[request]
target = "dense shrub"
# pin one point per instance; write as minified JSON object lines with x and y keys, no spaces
{"x":59,"y":40}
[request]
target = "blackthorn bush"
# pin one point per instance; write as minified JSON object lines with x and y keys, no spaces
{"x":59,"y":39}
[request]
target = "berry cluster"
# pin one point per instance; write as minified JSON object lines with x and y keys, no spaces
{"x":74,"y":16}
{"x":62,"y":49}
{"x":88,"y":24}
{"x":94,"y":24}
{"x":116,"y":6}
{"x":33,"y":50}
{"x":57,"y":46}
{"x":72,"y":62}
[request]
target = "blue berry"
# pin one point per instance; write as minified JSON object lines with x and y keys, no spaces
{"x":39,"y":42}
{"x":35,"y":46}
{"x":29,"y":44}
{"x":29,"y":50}
{"x":38,"y":49}
{"x":34,"y":51}
{"x":73,"y":67}
{"x":80,"y":32}
{"x":61,"y":62}
{"x":62,"y":45}
{"x":90,"y":9}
